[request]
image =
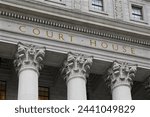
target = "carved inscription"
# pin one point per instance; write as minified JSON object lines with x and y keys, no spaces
{"x":73,"y":39}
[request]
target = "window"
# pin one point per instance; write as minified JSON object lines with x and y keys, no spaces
{"x":137,"y":12}
{"x":97,"y":4}
{"x":2,"y":90}
{"x":43,"y":93}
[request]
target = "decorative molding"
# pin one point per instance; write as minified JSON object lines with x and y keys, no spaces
{"x":77,"y":65}
{"x":121,"y":74}
{"x":29,"y":57}
{"x":77,"y":4}
{"x":118,"y":9}
{"x":55,"y":1}
{"x":72,"y":27}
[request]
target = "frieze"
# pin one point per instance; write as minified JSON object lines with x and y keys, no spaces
{"x":72,"y":27}
{"x":75,"y":39}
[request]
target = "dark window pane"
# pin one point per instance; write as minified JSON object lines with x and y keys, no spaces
{"x":137,"y":12}
{"x":97,"y":4}
{"x":2,"y":90}
{"x":43,"y":93}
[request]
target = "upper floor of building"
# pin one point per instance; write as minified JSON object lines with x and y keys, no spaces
{"x":133,"y":11}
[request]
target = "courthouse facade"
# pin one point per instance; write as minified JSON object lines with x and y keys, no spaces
{"x":75,"y":49}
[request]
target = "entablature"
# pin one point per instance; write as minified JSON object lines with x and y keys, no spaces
{"x":76,"y":18}
{"x":63,"y":41}
{"x":85,"y":29}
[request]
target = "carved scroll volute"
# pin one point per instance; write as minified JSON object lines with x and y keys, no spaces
{"x":77,"y":64}
{"x":29,"y":56}
{"x":121,"y":74}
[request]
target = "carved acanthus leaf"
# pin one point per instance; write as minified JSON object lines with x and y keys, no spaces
{"x":77,"y":64}
{"x":29,"y":55}
{"x":121,"y":74}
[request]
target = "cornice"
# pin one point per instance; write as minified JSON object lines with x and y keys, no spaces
{"x":72,"y":27}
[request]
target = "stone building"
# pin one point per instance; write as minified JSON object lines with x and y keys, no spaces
{"x":75,"y":49}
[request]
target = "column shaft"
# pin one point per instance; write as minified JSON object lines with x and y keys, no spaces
{"x":122,"y":93}
{"x":28,"y":85}
{"x":76,"y":89}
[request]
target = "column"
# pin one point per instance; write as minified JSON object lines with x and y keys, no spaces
{"x":120,"y":80}
{"x":76,"y":70}
{"x":28,"y":63}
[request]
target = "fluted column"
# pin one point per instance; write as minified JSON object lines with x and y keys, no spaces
{"x":28,"y":63}
{"x":76,"y":71}
{"x":120,"y":80}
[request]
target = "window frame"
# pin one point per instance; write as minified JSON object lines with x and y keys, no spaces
{"x":5,"y":88}
{"x":104,"y":11}
{"x":143,"y":7}
{"x":136,"y":14}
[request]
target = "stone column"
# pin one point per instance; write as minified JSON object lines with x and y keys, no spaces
{"x":76,"y":71}
{"x":28,"y":63}
{"x":120,"y":80}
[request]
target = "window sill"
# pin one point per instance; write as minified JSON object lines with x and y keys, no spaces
{"x":139,"y":21}
{"x":58,"y":2}
{"x":97,"y":11}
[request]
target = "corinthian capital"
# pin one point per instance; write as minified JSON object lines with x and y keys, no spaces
{"x":121,"y":74}
{"x":77,"y":65}
{"x":29,"y":56}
